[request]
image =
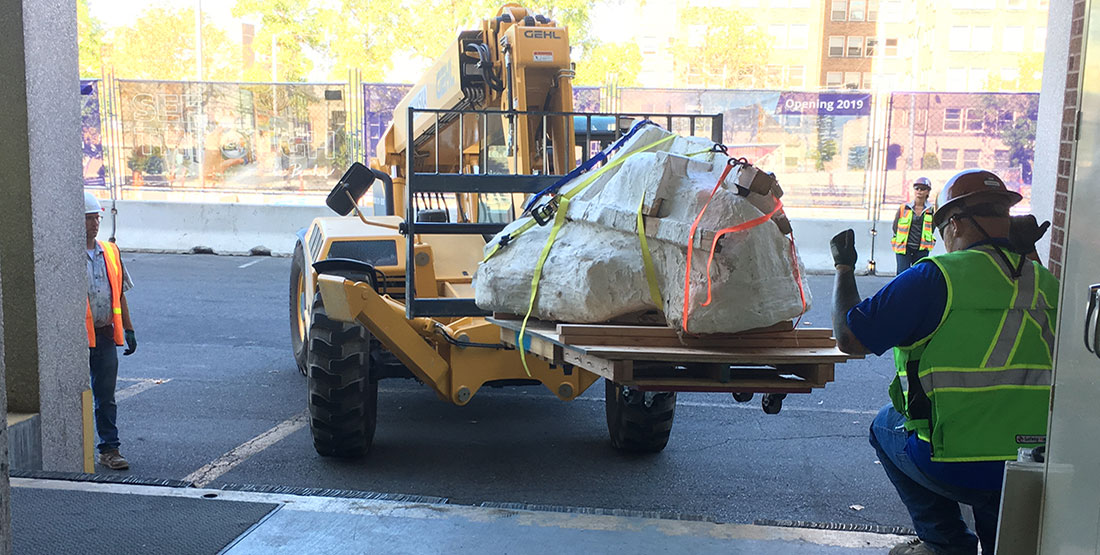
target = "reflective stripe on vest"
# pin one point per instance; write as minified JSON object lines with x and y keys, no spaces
{"x":113,"y":262}
{"x":901,"y":238}
{"x":984,"y":374}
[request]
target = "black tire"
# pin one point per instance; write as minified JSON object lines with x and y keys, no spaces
{"x":637,"y":420}
{"x":343,"y":400}
{"x":300,"y":300}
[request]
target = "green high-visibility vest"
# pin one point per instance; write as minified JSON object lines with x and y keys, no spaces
{"x":900,"y":239}
{"x":978,"y":387}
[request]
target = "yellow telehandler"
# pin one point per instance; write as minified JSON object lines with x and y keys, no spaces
{"x":386,"y":295}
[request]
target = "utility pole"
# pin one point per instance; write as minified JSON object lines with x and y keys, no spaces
{"x":200,"y":134}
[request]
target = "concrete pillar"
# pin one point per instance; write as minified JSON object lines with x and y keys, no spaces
{"x":43,"y":277}
{"x":5,"y":486}
{"x":1048,"y":132}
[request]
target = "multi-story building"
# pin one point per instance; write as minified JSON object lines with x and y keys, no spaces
{"x":947,"y":45}
{"x":850,"y":43}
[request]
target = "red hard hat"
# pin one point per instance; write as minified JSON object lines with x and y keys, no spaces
{"x":971,"y":187}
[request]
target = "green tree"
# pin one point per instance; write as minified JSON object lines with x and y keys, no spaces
{"x":719,"y":48}
{"x":90,"y":33}
{"x":618,"y":62}
{"x":160,"y":44}
{"x":1029,"y":69}
{"x":290,"y":28}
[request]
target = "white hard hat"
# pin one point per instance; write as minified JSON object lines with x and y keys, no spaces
{"x":91,"y":204}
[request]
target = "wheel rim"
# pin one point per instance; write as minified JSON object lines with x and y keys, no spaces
{"x":303,"y":311}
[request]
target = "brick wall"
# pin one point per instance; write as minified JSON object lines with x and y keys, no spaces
{"x":1069,"y":132}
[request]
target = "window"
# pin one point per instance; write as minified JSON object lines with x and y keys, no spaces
{"x":833,"y":79}
{"x":1017,"y":4}
{"x":1010,"y":74}
{"x":956,"y":79}
{"x":891,"y":48}
{"x":959,"y":39}
{"x":840,"y":10}
{"x":970,"y":158}
{"x":982,"y":39}
{"x":1005,"y":119}
{"x":779,"y":35}
{"x":892,"y":11}
{"x":978,"y":78}
{"x":866,"y":80}
{"x":799,"y":37}
{"x":855,"y":47}
{"x":1040,"y":39}
{"x":1001,"y":159}
{"x":836,"y":47}
{"x":857,"y":10}
{"x":796,"y":76}
{"x":851,"y":79}
{"x":973,"y":119}
{"x":1012,"y":39}
{"x":869,"y":51}
{"x":949,"y":158}
{"x":952,"y":119}
{"x":773,"y":76}
{"x":872,"y":10}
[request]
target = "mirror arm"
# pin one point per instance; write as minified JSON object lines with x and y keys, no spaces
{"x":355,"y":207}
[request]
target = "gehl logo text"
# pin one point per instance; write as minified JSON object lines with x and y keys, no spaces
{"x":533,"y":34}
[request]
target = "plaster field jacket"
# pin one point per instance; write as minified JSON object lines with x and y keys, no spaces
{"x":978,"y":387}
{"x":905,"y":219}
{"x":114,"y":277}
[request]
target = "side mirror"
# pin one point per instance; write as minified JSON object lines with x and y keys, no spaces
{"x":355,"y":183}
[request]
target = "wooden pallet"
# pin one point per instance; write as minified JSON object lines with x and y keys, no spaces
{"x":778,"y":359}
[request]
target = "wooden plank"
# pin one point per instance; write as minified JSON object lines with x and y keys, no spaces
{"x":602,"y":367}
{"x":738,"y":356}
{"x":610,"y":330}
{"x":755,"y":386}
{"x":751,"y":341}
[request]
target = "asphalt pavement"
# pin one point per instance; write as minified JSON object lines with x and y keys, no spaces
{"x":213,"y":396}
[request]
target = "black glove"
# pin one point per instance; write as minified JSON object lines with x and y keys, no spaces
{"x":131,"y":343}
{"x":843,"y":245}
{"x":1024,"y":232}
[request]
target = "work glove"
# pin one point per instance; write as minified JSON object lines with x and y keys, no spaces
{"x":843,"y":245}
{"x":131,"y":343}
{"x":1024,"y":232}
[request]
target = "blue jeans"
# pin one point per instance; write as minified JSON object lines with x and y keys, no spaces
{"x":103,"y":363}
{"x":933,"y":506}
{"x":909,"y":258}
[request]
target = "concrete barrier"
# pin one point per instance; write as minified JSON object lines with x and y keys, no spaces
{"x":238,"y":228}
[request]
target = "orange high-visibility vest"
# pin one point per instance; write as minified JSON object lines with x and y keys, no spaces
{"x":927,"y":240}
{"x":114,"y":277}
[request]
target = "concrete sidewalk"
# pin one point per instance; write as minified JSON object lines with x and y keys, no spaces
{"x":155,"y":519}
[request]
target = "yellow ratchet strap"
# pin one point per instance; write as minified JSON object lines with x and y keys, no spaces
{"x":647,"y":259}
{"x":559,"y":219}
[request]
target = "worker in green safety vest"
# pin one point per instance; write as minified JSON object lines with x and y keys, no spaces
{"x":913,"y":239}
{"x":972,"y":333}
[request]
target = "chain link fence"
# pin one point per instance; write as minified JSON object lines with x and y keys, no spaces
{"x":843,"y":150}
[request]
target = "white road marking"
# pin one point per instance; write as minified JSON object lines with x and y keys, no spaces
{"x":142,"y":385}
{"x":242,"y":452}
{"x":247,"y":264}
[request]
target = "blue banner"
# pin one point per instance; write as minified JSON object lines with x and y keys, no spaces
{"x":91,"y":138}
{"x":824,"y":104}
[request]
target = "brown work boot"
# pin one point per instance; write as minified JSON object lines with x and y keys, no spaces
{"x":114,"y":460}
{"x":912,"y":547}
